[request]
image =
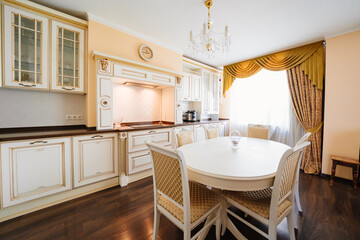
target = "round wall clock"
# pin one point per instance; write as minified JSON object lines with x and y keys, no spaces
{"x":146,"y":52}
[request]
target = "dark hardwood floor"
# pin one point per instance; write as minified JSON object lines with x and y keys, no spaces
{"x":127,"y":214}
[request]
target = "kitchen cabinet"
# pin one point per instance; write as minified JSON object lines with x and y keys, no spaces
{"x":191,"y":87}
{"x":67,"y":58}
{"x":95,"y":158}
{"x":186,"y":87}
{"x":104,"y":102}
{"x":211,"y":89}
{"x":196,"y":87}
{"x":25,"y":49}
{"x":138,"y":155}
{"x":222,"y":129}
{"x":35,"y":168}
{"x":199,"y":133}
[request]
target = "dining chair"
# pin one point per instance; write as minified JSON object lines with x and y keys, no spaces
{"x":259,"y":131}
{"x":183,"y":136}
{"x":211,"y":131}
{"x":272,"y":205}
{"x":297,"y":195}
{"x":183,"y":202}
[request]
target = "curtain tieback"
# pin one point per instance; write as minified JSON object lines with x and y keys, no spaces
{"x":315,"y":129}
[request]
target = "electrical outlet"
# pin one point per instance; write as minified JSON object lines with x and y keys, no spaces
{"x":68,"y":117}
{"x":79,"y":117}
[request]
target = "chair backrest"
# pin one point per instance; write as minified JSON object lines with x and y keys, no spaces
{"x":183,"y":136}
{"x":285,"y":178}
{"x":211,"y":131}
{"x":170,"y":178}
{"x":259,"y":131}
{"x":303,"y":138}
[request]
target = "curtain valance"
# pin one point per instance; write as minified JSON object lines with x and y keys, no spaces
{"x":309,"y":57}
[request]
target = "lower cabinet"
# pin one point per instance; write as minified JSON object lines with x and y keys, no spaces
{"x":222,"y":129}
{"x":95,"y":158}
{"x":138,"y":155}
{"x":33,"y":169}
{"x":199,"y":133}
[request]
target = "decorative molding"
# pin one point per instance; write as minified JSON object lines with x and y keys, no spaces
{"x":202,"y":65}
{"x":342,"y":33}
{"x":108,"y":23}
{"x":101,"y":55}
{"x":48,"y":11}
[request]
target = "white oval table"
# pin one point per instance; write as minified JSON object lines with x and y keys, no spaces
{"x":250,"y":167}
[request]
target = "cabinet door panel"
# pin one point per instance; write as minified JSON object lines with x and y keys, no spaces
{"x":206,"y":79}
{"x":67,"y":58}
{"x":104,"y":95}
{"x":136,"y":140}
{"x":139,"y":161}
{"x":199,"y":133}
{"x":25,"y":49}
{"x":95,"y":158}
{"x":196,"y":87}
{"x":33,"y":169}
{"x":186,"y":87}
{"x":215,"y":93}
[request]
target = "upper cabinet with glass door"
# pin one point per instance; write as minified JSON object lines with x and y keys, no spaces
{"x":67,"y":58}
{"x":25,"y":49}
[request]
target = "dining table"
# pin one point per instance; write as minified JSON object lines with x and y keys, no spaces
{"x":216,"y":164}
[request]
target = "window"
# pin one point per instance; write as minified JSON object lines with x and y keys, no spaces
{"x":263,"y":99}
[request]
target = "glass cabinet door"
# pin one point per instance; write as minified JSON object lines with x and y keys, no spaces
{"x":26,"y":46}
{"x":68,"y":57}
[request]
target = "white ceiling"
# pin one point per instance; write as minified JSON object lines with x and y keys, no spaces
{"x":257,"y":27}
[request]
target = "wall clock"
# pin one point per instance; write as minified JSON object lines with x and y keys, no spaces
{"x":146,"y":52}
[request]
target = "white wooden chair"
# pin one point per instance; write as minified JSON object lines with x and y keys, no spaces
{"x":183,"y":136}
{"x":259,"y":131}
{"x":186,"y":204}
{"x":211,"y":131}
{"x":297,"y":196}
{"x":270,"y":206}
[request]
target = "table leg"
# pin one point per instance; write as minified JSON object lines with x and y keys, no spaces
{"x":333,"y":173}
{"x":355,"y":177}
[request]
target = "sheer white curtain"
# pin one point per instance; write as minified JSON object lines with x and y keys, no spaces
{"x":264,"y":99}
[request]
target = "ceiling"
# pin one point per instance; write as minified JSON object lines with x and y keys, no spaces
{"x":257,"y":27}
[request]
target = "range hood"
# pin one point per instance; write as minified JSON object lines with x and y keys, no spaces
{"x":137,"y":83}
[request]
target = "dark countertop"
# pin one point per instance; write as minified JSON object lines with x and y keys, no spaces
{"x":13,"y":134}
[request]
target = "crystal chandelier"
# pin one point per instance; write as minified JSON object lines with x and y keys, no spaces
{"x":207,"y":41}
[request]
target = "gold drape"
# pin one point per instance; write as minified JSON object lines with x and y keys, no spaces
{"x":309,"y":57}
{"x":307,"y":101}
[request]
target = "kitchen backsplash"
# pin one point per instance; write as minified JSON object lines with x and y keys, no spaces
{"x":136,"y":104}
{"x":27,"y":108}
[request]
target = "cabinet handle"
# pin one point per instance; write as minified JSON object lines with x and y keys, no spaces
{"x":41,"y":187}
{"x":98,"y":173}
{"x":152,"y":131}
{"x":66,"y":88}
{"x":38,"y":142}
{"x":27,"y":85}
{"x":97,"y":136}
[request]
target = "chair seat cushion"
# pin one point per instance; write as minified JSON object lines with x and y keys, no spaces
{"x":256,"y":201}
{"x":201,"y":201}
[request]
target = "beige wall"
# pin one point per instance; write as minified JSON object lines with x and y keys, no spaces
{"x":109,"y":40}
{"x":342,"y":100}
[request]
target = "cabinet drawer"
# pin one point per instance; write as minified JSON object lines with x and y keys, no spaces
{"x":95,"y":158}
{"x":136,"y":140}
{"x":139,"y":161}
{"x":33,"y":169}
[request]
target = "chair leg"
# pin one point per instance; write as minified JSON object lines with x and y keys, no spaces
{"x":290,"y":222}
{"x":218,"y":223}
{"x":156,"y":223}
{"x":297,"y":198}
{"x":272,"y":231}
